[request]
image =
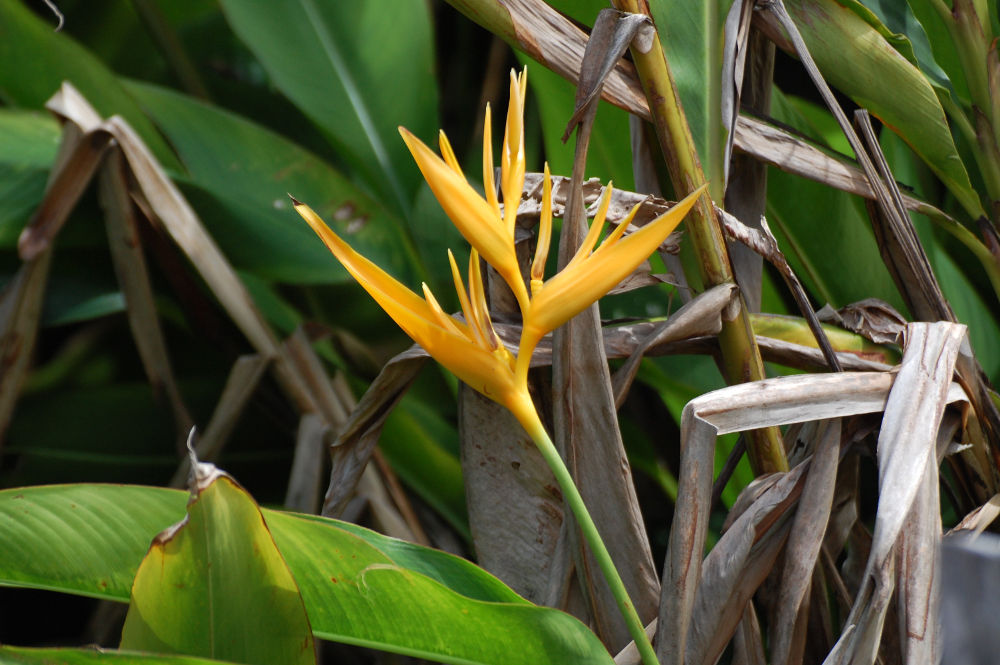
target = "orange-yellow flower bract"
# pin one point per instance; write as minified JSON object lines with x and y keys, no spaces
{"x":470,"y":349}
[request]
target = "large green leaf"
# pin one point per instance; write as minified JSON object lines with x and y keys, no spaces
{"x":240,"y":178}
{"x":22,"y":656}
{"x":358,"y":70}
{"x":216,"y":586}
{"x":692,"y":37}
{"x":608,"y":157}
{"x":358,"y":587}
{"x":927,"y":52}
{"x":35,"y":60}
{"x":886,"y":83}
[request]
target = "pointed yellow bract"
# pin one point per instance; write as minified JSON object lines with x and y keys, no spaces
{"x":471,"y":348}
{"x":471,"y":351}
{"x":474,"y":217}
{"x":591,"y":274}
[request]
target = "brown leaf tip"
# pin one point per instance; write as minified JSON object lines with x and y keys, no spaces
{"x":295,"y":201}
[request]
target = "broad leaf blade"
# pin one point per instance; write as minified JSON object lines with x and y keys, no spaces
{"x":887,"y":84}
{"x":692,"y":38}
{"x":388,"y":595}
{"x":81,"y":539}
{"x":215,"y":585}
{"x":358,"y":70}
{"x":607,"y":157}
{"x":35,"y":60}
{"x":240,"y":178}
{"x":28,"y":145}
{"x":823,"y":232}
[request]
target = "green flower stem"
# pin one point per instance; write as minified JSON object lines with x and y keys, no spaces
{"x":571,"y":495}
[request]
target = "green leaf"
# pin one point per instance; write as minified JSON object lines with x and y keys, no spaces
{"x":941,"y":44}
{"x":358,"y":70}
{"x":29,"y":141}
{"x":35,"y":60}
{"x":358,"y":587}
{"x":692,"y":37}
{"x":22,"y":656}
{"x":240,"y":178}
{"x":912,"y":38}
{"x":215,"y":585}
{"x":883,"y":81}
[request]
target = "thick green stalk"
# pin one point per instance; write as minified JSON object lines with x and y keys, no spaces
{"x":529,"y":419}
{"x":741,"y":357}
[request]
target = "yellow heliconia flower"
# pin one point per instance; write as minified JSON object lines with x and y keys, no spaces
{"x":591,"y":273}
{"x":479,"y":220}
{"x":470,"y":349}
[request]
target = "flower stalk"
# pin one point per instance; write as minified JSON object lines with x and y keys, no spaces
{"x":573,"y":499}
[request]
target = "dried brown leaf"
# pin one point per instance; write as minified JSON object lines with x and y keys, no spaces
{"x":305,"y":480}
{"x":584,"y":417}
{"x":907,"y":462}
{"x":701,"y":316}
{"x":740,"y":562}
{"x":980,"y":518}
{"x":356,"y":442}
{"x":804,"y":544}
{"x":871,"y":318}
{"x":133,"y":278}
{"x":514,"y":503}
{"x":178,"y":218}
{"x":760,"y":404}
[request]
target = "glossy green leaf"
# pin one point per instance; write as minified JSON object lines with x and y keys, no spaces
{"x":215,"y":585}
{"x":358,"y":70}
{"x":240,"y":178}
{"x":28,"y":145}
{"x":35,"y":60}
{"x":887,"y":84}
{"x":692,"y":37}
{"x":358,"y":587}
{"x":941,"y":43}
{"x":24,"y":656}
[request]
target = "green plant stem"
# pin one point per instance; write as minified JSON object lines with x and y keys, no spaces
{"x":741,"y":358}
{"x":571,"y":495}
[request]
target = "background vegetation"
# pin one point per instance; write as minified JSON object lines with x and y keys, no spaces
{"x":244,"y":102}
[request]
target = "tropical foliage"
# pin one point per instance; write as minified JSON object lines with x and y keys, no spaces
{"x":699,"y":467}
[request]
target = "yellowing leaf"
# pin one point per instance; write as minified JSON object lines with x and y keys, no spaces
{"x":215,"y":585}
